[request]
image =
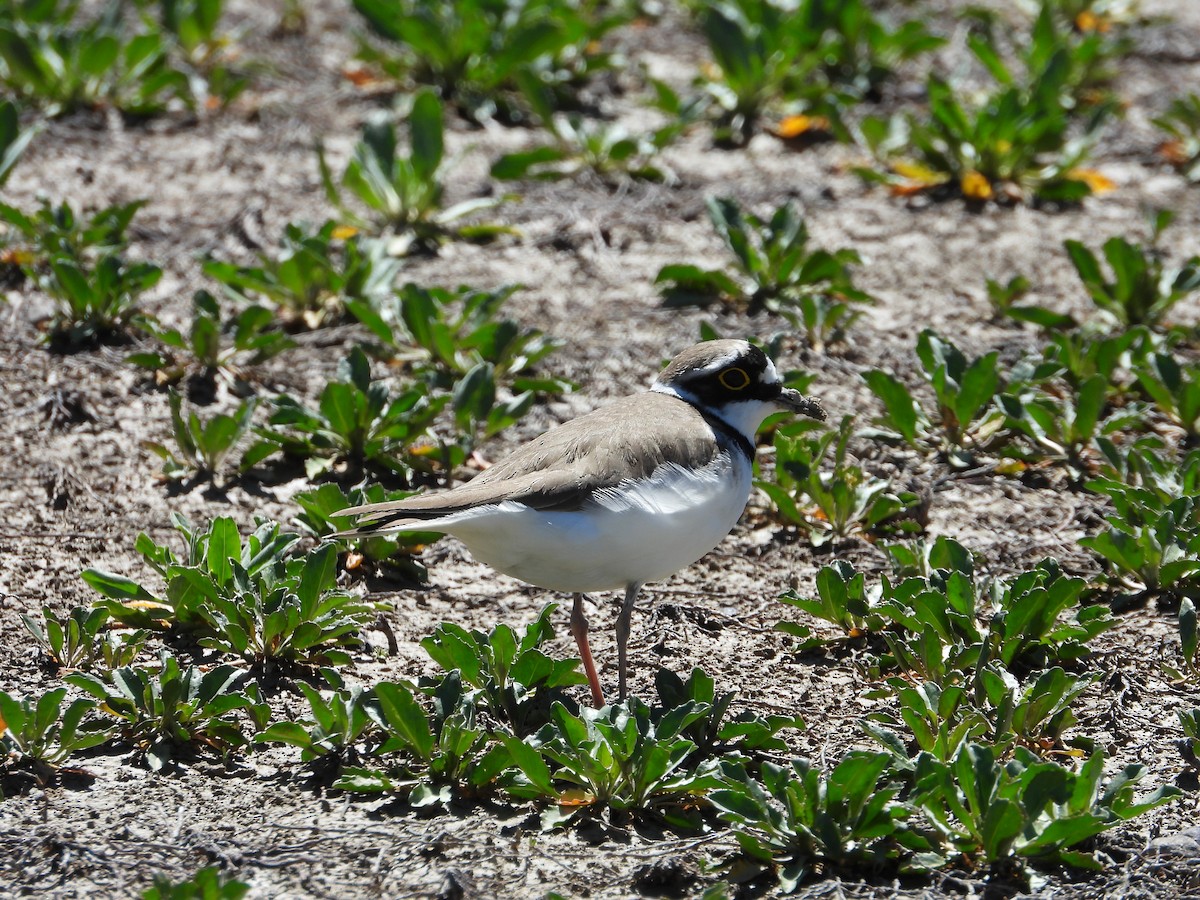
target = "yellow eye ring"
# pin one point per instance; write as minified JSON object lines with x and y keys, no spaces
{"x":734,"y":379}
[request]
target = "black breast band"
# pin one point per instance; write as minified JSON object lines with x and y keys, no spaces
{"x":722,"y":427}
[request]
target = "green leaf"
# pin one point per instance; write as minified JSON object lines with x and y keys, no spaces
{"x":319,"y":574}
{"x":902,"y":411}
{"x":426,"y":128}
{"x":224,"y":546}
{"x":517,"y":165}
{"x":116,"y":587}
{"x":532,"y":766}
{"x":1188,"y":632}
{"x":979,"y":384}
{"x":404,"y":717}
{"x":285,"y":733}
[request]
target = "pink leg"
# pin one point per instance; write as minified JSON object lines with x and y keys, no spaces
{"x":579,"y":628}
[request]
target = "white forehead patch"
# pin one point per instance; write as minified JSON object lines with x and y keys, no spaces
{"x":770,"y":376}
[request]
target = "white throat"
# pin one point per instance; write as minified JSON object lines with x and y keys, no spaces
{"x":745,"y":415}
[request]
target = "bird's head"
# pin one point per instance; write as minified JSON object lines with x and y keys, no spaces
{"x":735,"y":381}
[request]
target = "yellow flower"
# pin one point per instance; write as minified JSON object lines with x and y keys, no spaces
{"x":975,"y":186}
{"x":1100,"y":184}
{"x":794,"y":126}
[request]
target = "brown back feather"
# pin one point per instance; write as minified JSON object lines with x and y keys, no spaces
{"x":595,"y":451}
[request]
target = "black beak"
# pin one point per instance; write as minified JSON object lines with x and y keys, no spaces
{"x":796,"y":402}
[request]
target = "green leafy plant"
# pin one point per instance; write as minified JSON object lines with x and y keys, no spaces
{"x":943,"y":622}
{"x":94,"y":303}
{"x":1024,"y":140}
{"x":207,"y":884}
{"x":1033,"y":714}
{"x":290,"y":613}
{"x":357,"y":421}
{"x":206,"y":567}
{"x":168,"y":712}
{"x":1143,"y":288}
{"x":841,"y":600}
{"x":13,"y":138}
{"x":757,"y":57}
{"x":1151,"y":545}
{"x":1181,"y":122}
{"x":246,"y":598}
{"x":1029,"y":625}
{"x":202,"y":353}
{"x":949,"y":625}
{"x":843,"y":500}
{"x":717,"y":733}
{"x":403,"y":194}
{"x":1189,"y":646}
{"x":1189,"y":745}
{"x":817,"y":55}
{"x":514,"y":679}
{"x":41,"y":734}
{"x":940,"y":719}
{"x":393,"y":553}
{"x":1175,"y":390}
{"x":478,"y":53}
{"x":581,"y":145}
{"x":459,"y":342}
{"x":1094,"y":32}
{"x":775,"y":271}
{"x":447,"y":332}
{"x":1145,"y":466}
{"x":922,"y":558}
{"x":81,"y":641}
{"x":1063,"y":426}
{"x":445,"y":754}
{"x":1095,"y":15}
{"x":209,"y":53}
{"x":313,"y":275}
{"x":1026,"y":808}
{"x":58,"y":231}
{"x":336,"y":725}
{"x":53,"y":59}
{"x":940,"y":634}
{"x":1003,"y":296}
{"x":618,"y":758}
{"x":796,"y":816}
{"x":31,"y":241}
{"x":194,"y":23}
{"x":1078,"y":355}
{"x":202,"y":445}
{"x":604,"y":149}
{"x":967,"y":418}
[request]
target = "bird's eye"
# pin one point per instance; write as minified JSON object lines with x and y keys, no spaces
{"x":734,"y":379}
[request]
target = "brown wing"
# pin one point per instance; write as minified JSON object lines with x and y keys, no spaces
{"x":562,"y":468}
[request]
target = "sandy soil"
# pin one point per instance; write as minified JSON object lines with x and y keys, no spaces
{"x":75,"y":493}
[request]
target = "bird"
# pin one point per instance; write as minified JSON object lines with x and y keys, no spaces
{"x":622,"y":496}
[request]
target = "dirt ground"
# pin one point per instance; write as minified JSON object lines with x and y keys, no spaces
{"x":75,"y":489}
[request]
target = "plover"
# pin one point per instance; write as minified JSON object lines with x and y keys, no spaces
{"x":622,"y":496}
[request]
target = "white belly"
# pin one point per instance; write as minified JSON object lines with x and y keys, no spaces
{"x":644,"y":534}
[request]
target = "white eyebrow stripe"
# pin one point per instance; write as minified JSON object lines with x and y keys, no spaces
{"x":719,"y":363}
